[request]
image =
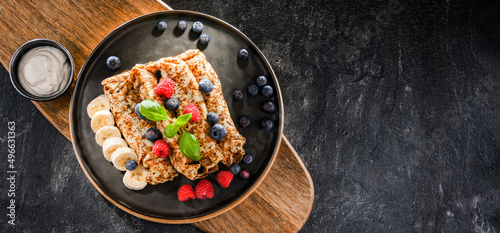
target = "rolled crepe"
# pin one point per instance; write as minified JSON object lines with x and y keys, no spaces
{"x":124,"y":91}
{"x":186,"y":91}
{"x":232,"y":144}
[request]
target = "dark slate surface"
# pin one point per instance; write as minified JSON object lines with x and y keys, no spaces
{"x":393,"y":107}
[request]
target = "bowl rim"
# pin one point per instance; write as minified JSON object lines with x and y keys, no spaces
{"x":19,"y":53}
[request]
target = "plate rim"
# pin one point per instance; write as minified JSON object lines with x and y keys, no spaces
{"x":209,"y":215}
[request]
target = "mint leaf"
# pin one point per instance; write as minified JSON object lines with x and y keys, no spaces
{"x":189,"y":146}
{"x":171,"y":130}
{"x":184,"y":119}
{"x":153,"y":110}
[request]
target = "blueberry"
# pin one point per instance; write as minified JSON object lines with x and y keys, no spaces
{"x":245,"y":121}
{"x":266,"y":124}
{"x":131,"y":165}
{"x":267,"y":91}
{"x":261,"y":81}
{"x":218,"y":132}
{"x":206,"y":86}
{"x":113,"y":62}
{"x":204,"y":38}
{"x":182,"y":25}
{"x":247,"y":159}
{"x":172,"y":104}
{"x":197,"y":27}
{"x":243,"y":54}
{"x":162,"y":26}
{"x":212,"y":118}
{"x":153,"y":134}
{"x":244,"y":174}
{"x":137,"y":107}
{"x":253,"y":90}
{"x":269,"y":107}
{"x":238,"y":95}
{"x":235,"y":169}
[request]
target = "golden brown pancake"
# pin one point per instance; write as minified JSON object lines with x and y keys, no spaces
{"x":232,"y":144}
{"x":124,"y":91}
{"x":127,"y":89}
{"x":186,"y":91}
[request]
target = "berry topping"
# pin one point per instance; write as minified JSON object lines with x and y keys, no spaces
{"x":204,"y":38}
{"x":153,"y":134}
{"x":161,"y":148}
{"x":267,"y":91}
{"x":113,"y":62}
{"x":218,"y":132}
{"x":238,"y":95}
{"x":245,"y":121}
{"x":269,"y":107}
{"x":204,"y":190}
{"x":182,"y":25}
{"x":165,"y":88}
{"x":243,"y":54}
{"x":197,"y":27}
{"x":244,"y":174}
{"x":266,"y":124}
{"x":224,"y":178}
{"x":206,"y":86}
{"x":137,"y":107}
{"x":247,"y":159}
{"x":235,"y":169}
{"x":131,"y":165}
{"x":162,"y":25}
{"x":172,"y":104}
{"x":212,"y":118}
{"x":253,"y":90}
{"x":192,"y":108}
{"x":186,"y":193}
{"x":261,"y":81}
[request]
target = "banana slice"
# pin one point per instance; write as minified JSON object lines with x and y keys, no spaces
{"x":106,"y":132}
{"x":98,"y":104}
{"x":120,"y":157}
{"x":102,"y":118}
{"x":111,"y":144}
{"x":136,"y":179}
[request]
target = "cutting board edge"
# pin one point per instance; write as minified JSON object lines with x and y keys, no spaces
{"x":64,"y":133}
{"x":164,"y":4}
{"x":309,"y":178}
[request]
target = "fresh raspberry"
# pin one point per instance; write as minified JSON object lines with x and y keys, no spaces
{"x":161,"y":148}
{"x":204,"y":190}
{"x":166,"y":87}
{"x":192,"y":108}
{"x":224,"y":178}
{"x":186,"y":193}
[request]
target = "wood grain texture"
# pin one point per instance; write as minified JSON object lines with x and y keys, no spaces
{"x":80,"y":26}
{"x":281,"y":203}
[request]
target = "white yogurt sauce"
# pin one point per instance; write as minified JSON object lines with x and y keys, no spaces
{"x":43,"y":71}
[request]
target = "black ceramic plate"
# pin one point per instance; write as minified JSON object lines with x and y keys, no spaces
{"x":138,"y":41}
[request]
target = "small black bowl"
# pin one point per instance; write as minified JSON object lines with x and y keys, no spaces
{"x":14,"y":62}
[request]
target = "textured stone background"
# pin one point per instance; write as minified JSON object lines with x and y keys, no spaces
{"x":392,"y":105}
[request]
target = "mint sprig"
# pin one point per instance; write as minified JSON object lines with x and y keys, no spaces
{"x":172,"y":128}
{"x":153,"y":110}
{"x":184,"y":119}
{"x":188,"y":144}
